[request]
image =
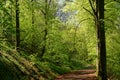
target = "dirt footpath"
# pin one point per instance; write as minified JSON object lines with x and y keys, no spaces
{"x":86,"y":74}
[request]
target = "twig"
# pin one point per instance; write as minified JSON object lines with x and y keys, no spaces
{"x":88,"y":11}
{"x":92,"y":7}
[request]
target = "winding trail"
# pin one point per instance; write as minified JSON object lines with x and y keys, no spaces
{"x":86,"y":74}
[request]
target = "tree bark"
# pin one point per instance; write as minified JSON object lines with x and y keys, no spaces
{"x":45,"y":30}
{"x":102,"y":72}
{"x":17,"y":25}
{"x":32,"y":2}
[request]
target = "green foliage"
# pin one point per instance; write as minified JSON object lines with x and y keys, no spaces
{"x":7,"y":69}
{"x":112,"y":39}
{"x":70,"y":45}
{"x":60,"y":69}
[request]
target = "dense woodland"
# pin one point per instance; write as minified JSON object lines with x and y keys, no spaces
{"x":42,"y":39}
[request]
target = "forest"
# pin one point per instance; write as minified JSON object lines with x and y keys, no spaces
{"x":59,"y":39}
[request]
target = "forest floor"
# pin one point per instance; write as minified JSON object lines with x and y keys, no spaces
{"x":85,"y":74}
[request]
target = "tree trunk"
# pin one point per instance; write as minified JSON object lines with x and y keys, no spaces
{"x":102,"y":72}
{"x":17,"y":25}
{"x":32,"y":12}
{"x":45,"y":30}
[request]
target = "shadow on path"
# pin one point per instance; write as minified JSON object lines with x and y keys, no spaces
{"x":86,"y":74}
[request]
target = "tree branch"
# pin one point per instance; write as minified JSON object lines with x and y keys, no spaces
{"x":43,"y":12}
{"x":84,"y":20}
{"x":88,"y":11}
{"x":92,"y":7}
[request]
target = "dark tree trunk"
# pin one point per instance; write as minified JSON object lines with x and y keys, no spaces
{"x":32,"y":12}
{"x":45,"y":30}
{"x":102,"y":72}
{"x":17,"y":25}
{"x":47,"y":17}
{"x":33,"y":45}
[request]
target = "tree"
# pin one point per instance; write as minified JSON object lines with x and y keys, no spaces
{"x":48,"y":12}
{"x":32,"y":11}
{"x":97,"y":12}
{"x":99,"y":22}
{"x":98,"y":15}
{"x":46,"y":8}
{"x":17,"y":24}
